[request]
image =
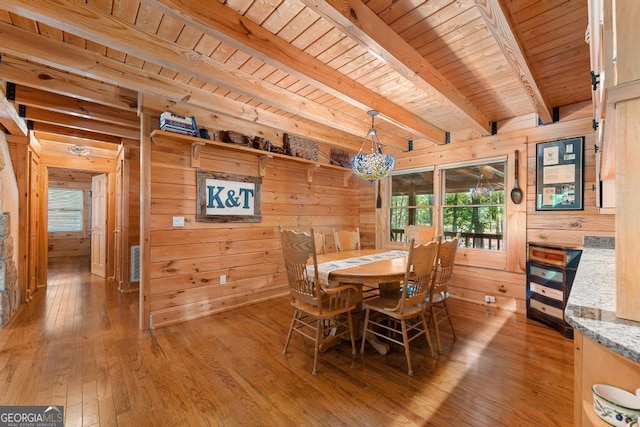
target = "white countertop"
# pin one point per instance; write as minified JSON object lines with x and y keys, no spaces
{"x":591,"y":308}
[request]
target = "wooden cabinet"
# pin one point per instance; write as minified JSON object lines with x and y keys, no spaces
{"x":596,"y":364}
{"x":550,"y":274}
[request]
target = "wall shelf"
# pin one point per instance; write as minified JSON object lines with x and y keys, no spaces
{"x":160,"y":137}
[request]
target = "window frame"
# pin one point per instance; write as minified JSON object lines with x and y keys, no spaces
{"x":389,"y":207}
{"x":442,"y":193}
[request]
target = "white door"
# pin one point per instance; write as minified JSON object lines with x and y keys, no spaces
{"x":99,"y":225}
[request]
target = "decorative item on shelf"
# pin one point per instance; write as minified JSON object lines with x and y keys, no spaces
{"x":481,"y":189}
{"x":616,"y":406}
{"x":339,"y":157}
{"x":300,"y":147}
{"x":264,"y":144}
{"x":79,"y":150}
{"x":375,"y":164}
{"x":260,"y":143}
{"x":235,"y":138}
{"x":204,"y":133}
{"x":178,"y":124}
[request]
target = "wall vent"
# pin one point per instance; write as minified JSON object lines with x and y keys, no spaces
{"x":135,"y":263}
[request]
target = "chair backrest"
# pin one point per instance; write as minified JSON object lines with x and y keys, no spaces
{"x":446,"y":260}
{"x":420,"y":233}
{"x":297,"y":249}
{"x":419,"y":275}
{"x":318,"y":237}
{"x":346,"y":240}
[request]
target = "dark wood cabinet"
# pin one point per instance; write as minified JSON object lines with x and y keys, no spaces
{"x":550,"y":274}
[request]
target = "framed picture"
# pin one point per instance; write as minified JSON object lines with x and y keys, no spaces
{"x":559,"y":175}
{"x":224,"y":197}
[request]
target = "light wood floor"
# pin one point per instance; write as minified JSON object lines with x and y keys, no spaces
{"x":78,"y":345}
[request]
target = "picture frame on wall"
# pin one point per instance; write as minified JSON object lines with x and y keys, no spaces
{"x":560,"y":175}
{"x":223,"y":197}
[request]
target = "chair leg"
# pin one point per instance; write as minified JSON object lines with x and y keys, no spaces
{"x":316,"y":347}
{"x":351,"y":333}
{"x":427,"y":334}
{"x":446,"y":310}
{"x":405,"y":341}
{"x":364,"y":330}
{"x":435,"y":320}
{"x":293,"y":322}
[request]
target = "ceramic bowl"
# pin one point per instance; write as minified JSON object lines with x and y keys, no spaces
{"x":616,"y":406}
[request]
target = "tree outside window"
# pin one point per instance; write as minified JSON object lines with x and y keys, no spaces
{"x":412,"y":202}
{"x":474,"y":204}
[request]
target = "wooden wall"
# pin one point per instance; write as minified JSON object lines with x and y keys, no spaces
{"x":507,"y":280}
{"x":186,"y":262}
{"x":76,"y":244}
{"x":131,"y":215}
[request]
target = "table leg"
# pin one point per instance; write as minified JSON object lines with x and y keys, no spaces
{"x":381,"y":347}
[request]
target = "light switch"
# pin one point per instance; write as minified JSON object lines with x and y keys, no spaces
{"x":178,"y":221}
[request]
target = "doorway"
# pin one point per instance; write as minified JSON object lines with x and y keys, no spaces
{"x":77,"y":212}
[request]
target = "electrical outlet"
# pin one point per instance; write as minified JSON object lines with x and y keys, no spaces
{"x":223,"y":279}
{"x":487,"y":298}
{"x":178,"y":221}
{"x":492,"y":298}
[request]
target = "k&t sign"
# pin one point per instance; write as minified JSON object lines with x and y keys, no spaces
{"x":228,"y":198}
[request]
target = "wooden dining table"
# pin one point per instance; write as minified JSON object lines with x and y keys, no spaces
{"x":384,"y":274}
{"x":370,"y":274}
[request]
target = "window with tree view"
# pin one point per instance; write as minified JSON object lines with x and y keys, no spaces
{"x":412,"y":202}
{"x":474,"y":204}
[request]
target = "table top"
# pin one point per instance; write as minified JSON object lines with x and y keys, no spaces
{"x":373,"y":273}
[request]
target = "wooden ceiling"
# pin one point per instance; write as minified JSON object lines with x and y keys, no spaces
{"x":433,"y":68}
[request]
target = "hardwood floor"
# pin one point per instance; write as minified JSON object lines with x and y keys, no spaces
{"x":78,"y":345}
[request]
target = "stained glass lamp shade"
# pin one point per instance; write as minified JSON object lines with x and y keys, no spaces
{"x":372,"y":165}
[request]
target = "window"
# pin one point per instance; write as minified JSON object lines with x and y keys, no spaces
{"x":412,"y":202}
{"x":65,"y":210}
{"x":474,"y":204}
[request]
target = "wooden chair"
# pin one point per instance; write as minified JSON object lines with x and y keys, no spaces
{"x":321,"y":314}
{"x":437,"y":299}
{"x":419,"y":233}
{"x":318,"y":237}
{"x":407,"y":308}
{"x":346,"y":240}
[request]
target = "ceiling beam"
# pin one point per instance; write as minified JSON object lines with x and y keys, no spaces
{"x":84,"y":21}
{"x":32,"y":97}
{"x":360,"y":23}
{"x":61,"y":83}
{"x":9,"y":117}
{"x":44,"y":50}
{"x":83,"y":134}
{"x":498,"y":23}
{"x":51,"y":117}
{"x":221,"y":22}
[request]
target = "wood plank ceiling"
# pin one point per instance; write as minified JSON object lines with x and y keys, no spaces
{"x":310,"y":67}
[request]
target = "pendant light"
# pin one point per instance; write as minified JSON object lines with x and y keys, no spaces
{"x":374,"y":164}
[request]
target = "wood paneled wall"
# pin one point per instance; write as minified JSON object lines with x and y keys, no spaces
{"x":506,"y":279}
{"x":77,"y":244}
{"x":187,"y":262}
{"x":131,"y":215}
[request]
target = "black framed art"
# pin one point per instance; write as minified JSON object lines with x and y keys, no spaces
{"x":559,"y":175}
